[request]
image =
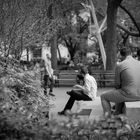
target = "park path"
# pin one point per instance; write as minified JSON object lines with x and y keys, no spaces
{"x":133,"y":108}
{"x":61,"y":98}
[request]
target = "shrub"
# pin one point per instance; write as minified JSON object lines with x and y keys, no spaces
{"x":115,"y":128}
{"x":22,"y":99}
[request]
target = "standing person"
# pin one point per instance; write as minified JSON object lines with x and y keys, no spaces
{"x":37,"y":71}
{"x":48,"y":77}
{"x":138,"y":54}
{"x":86,"y":92}
{"x":43,"y":73}
{"x":127,"y":83}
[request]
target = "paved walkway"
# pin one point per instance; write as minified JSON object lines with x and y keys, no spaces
{"x":61,"y":98}
{"x":133,"y":108}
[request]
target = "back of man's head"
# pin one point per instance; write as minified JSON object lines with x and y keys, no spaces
{"x":125,"y":51}
{"x":84,"y":70}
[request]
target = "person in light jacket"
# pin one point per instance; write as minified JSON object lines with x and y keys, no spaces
{"x":48,"y":75}
{"x":87,"y":92}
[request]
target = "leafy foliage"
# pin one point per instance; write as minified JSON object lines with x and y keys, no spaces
{"x":114,"y":128}
{"x":25,"y":23}
{"x":22,"y":99}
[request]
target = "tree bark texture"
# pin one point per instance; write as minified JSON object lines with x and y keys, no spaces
{"x":1,"y":19}
{"x":54,"y":52}
{"x":111,"y":48}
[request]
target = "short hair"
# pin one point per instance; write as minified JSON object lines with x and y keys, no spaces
{"x":125,"y":51}
{"x":84,"y":70}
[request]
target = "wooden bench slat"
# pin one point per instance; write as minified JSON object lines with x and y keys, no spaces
{"x":102,"y":77}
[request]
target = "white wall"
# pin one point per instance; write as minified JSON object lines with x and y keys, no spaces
{"x":45,"y":49}
{"x":24,"y":55}
{"x":63,"y":52}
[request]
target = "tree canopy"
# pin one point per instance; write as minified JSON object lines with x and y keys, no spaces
{"x":29,"y":22}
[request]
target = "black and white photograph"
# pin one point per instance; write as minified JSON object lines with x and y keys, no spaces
{"x":69,"y":69}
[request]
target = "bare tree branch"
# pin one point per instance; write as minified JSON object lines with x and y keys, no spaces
{"x":22,"y":21}
{"x":118,"y":2}
{"x":136,"y":34}
{"x":132,"y":18}
{"x":10,"y":30}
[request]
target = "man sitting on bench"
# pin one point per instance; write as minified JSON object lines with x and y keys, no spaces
{"x":127,"y":82}
{"x":87,"y":92}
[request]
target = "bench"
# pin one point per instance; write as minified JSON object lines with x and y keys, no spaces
{"x":89,"y":109}
{"x":65,"y":77}
{"x":93,"y":110}
{"x":104,"y":78}
{"x":133,"y":110}
{"x":68,"y":77}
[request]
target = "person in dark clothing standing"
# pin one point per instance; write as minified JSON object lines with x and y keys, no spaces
{"x":138,"y":54}
{"x":47,"y":77}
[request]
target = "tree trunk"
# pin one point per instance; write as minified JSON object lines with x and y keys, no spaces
{"x":54,"y":52}
{"x":111,"y":48}
{"x":2,"y":34}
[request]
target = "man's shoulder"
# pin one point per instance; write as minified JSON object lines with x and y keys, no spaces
{"x":87,"y":76}
{"x":127,"y":63}
{"x":92,"y":77}
{"x":121,"y":66}
{"x":122,"y":63}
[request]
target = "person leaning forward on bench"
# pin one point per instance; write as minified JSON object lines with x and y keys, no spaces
{"x":127,"y":82}
{"x":87,"y":92}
